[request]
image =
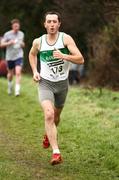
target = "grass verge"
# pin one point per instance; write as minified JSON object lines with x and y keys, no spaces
{"x":88,"y":136}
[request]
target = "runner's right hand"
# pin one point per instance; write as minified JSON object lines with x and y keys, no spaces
{"x":36,"y":76}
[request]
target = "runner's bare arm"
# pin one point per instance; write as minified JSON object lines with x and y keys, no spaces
{"x":33,"y":59}
{"x":22,"y":44}
{"x":4,"y":43}
{"x":75,"y":55}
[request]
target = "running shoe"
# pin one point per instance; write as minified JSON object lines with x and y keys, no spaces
{"x":46,"y":143}
{"x":56,"y":159}
{"x":17,"y":93}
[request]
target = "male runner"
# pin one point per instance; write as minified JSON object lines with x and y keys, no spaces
{"x":13,"y":40}
{"x":55,"y":50}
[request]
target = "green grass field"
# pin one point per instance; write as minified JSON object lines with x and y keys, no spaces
{"x":88,"y":136}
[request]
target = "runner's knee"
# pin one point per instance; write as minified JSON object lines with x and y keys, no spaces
{"x":49,"y":115}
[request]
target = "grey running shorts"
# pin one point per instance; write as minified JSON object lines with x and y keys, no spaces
{"x":56,"y":92}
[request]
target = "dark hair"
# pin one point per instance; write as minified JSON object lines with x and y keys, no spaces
{"x":53,"y":12}
{"x":13,"y":21}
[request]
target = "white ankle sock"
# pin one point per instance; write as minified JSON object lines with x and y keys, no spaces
{"x":10,"y":84}
{"x":10,"y":87}
{"x":56,"y":151}
{"x":17,"y":89}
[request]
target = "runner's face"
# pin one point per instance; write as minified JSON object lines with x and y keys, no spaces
{"x":52,"y":23}
{"x":16,"y":27}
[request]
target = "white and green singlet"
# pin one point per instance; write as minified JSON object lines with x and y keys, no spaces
{"x":50,"y":68}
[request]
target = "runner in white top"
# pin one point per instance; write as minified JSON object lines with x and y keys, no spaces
{"x":13,"y":41}
{"x":55,"y":51}
{"x":53,"y":69}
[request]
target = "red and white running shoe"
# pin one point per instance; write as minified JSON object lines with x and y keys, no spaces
{"x":56,"y":159}
{"x":46,"y":143}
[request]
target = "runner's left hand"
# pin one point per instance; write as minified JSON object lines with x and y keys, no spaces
{"x":57,"y":54}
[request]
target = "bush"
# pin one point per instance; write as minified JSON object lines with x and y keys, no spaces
{"x":104,"y":57}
